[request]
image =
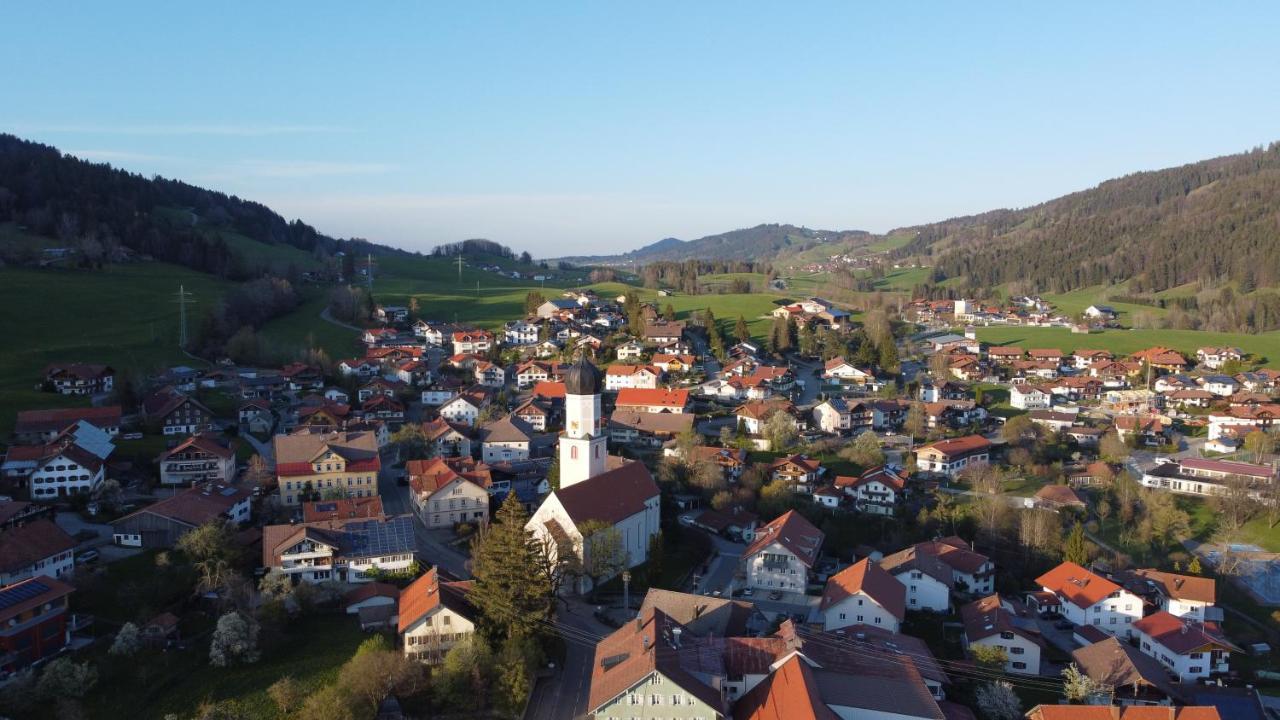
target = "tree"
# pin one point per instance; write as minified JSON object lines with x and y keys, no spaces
{"x":375,"y":671}
{"x":914,"y":424}
{"x":1260,"y":444}
{"x":889,"y":361}
{"x":1076,"y":549}
{"x":466,"y":674}
{"x":258,"y":473}
{"x":992,"y":514}
{"x":211,"y":549}
{"x":1112,"y":449}
{"x":1040,"y":530}
{"x":532,"y":301}
{"x":603,"y":552}
{"x":989,"y":657}
{"x":997,"y":701}
{"x":287,"y":694}
{"x":1193,"y":567}
{"x":669,"y":313}
{"x":780,"y":431}
{"x":128,"y":641}
{"x":940,"y":366}
{"x":1235,"y":504}
{"x":509,"y":591}
{"x":64,"y":677}
{"x":412,"y":443}
{"x":518,"y":663}
{"x":235,"y":638}
{"x":865,"y":451}
{"x":1018,"y":430}
{"x":553,"y":472}
{"x":1076,"y":686}
{"x":275,"y":584}
{"x":740,"y":330}
{"x":332,"y":702}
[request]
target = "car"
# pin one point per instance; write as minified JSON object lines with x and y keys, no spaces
{"x":747,"y":592}
{"x":1064,"y":625}
{"x":775,"y":595}
{"x":686,"y":521}
{"x":1050,"y":615}
{"x":86,"y":557}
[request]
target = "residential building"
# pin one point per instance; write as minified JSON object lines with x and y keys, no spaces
{"x":1058,"y":497}
{"x":38,"y":547}
{"x":351,"y":551}
{"x":1125,"y":675}
{"x":863,"y":594}
{"x":505,"y":439}
{"x":34,"y":622}
{"x":619,"y":376}
{"x":950,"y":457}
{"x":1029,"y":397}
{"x":936,"y":569}
{"x":798,"y":472}
{"x":162,"y":524}
{"x":310,"y":465}
{"x":446,"y":492}
{"x":651,"y":400}
{"x":1207,"y":476}
{"x":634,"y":427}
{"x":477,"y":342}
{"x":198,"y":459}
{"x":753,"y":415}
{"x":995,"y":622}
{"x":1190,"y":650}
{"x":176,"y":413}
{"x":466,"y":407}
{"x":80,"y":378}
{"x":1183,"y":596}
{"x":520,"y":332}
{"x":63,"y":470}
{"x":1215,"y":357}
{"x":783,"y":554}
{"x":447,"y":439}
{"x":42,"y":426}
{"x":434,"y":616}
{"x":1090,"y":599}
{"x":876,"y":491}
{"x":343,"y":508}
{"x":839,"y":370}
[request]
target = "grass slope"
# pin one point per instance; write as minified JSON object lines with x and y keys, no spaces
{"x":1265,"y":347}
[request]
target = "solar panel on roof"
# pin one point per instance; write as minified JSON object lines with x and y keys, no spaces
{"x":228,"y":492}
{"x":21,"y":593}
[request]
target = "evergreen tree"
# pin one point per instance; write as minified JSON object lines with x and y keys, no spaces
{"x":1076,"y":549}
{"x":669,"y":312}
{"x":740,"y":331}
{"x":512,"y":597}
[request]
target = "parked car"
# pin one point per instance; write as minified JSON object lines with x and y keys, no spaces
{"x":775,"y":595}
{"x":86,"y":557}
{"x":747,"y":592}
{"x":1050,"y":615}
{"x":1064,"y":625}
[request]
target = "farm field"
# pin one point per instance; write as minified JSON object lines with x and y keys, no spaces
{"x":1074,"y":303}
{"x":1265,"y":347}
{"x":123,"y":316}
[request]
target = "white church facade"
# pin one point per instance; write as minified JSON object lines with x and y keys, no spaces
{"x":593,"y":486}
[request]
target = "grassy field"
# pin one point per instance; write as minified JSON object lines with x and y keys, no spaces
{"x":303,"y":328}
{"x":891,"y":242}
{"x":123,"y":316}
{"x":1075,"y":302}
{"x":254,"y":253}
{"x":1265,"y":347}
{"x":719,"y":280}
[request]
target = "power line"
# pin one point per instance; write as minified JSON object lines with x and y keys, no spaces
{"x":182,"y":300}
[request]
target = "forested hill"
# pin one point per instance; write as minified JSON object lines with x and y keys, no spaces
{"x":104,"y":214}
{"x":762,"y":243}
{"x":1212,"y":222}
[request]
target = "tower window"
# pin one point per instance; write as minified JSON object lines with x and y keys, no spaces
{"x":573,"y":453}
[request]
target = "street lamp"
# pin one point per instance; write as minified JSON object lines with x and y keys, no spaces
{"x":626,"y":592}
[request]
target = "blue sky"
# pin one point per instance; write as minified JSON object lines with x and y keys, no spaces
{"x":600,"y":127}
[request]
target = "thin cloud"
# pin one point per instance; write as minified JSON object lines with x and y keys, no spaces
{"x":307,"y":169}
{"x":114,"y":156}
{"x":183,"y":129}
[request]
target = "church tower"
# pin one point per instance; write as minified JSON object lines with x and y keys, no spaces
{"x":583,"y":451}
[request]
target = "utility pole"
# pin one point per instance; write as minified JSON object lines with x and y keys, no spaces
{"x":368,"y":271}
{"x":182,"y":301}
{"x":459,"y":268}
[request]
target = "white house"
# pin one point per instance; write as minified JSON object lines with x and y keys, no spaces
{"x":433,"y":616}
{"x":832,"y":416}
{"x":464,"y":409}
{"x":63,"y":471}
{"x":782,"y":554}
{"x":630,"y":350}
{"x":36,"y":548}
{"x":839,"y":370}
{"x":875,"y":491}
{"x":863,"y":594}
{"x":1184,"y":596}
{"x":520,"y":333}
{"x":995,"y":622}
{"x":342,"y":551}
{"x":950,"y":457}
{"x":506,"y":440}
{"x":1090,"y":599}
{"x":1188,"y":649}
{"x":618,"y":377}
{"x":1029,"y":397}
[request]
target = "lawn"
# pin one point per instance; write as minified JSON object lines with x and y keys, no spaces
{"x":124,"y":316}
{"x":1265,"y":347}
{"x":303,"y":328}
{"x":891,"y":242}
{"x":1074,"y":303}
{"x":155,"y":684}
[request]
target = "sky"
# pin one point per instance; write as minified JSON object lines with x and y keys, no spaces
{"x":599,"y":127}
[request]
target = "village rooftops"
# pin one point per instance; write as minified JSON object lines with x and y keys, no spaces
{"x":1179,"y":587}
{"x":792,"y":531}
{"x":32,"y":422}
{"x":1183,"y":636}
{"x":30,"y":594}
{"x":1077,"y":585}
{"x":869,"y":578}
{"x":611,"y":496}
{"x":196,"y":505}
{"x":24,"y":546}
{"x":296,"y":453}
{"x":342,"y":508}
{"x":956,"y":447}
{"x":988,"y":616}
{"x":646,"y":397}
{"x":427,"y":593}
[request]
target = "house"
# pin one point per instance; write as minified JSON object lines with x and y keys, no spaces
{"x":309,"y":465}
{"x":1029,"y":397}
{"x":635,"y":427}
{"x":653,"y":400}
{"x":351,"y":550}
{"x":703,"y":615}
{"x":505,"y":439}
{"x":177,"y":414}
{"x":630,"y":350}
{"x":34,"y":615}
{"x":1206,"y":476}
{"x":1215,"y":357}
{"x":735,"y":523}
{"x":782,"y":554}
{"x":1126,"y":675}
{"x":532,"y":372}
{"x":1054,"y":421}
{"x":1085,"y":436}
{"x":839,"y":370}
{"x":1161,"y":358}
{"x":1220,"y":385}
{"x":465,"y":408}
{"x":950,"y":457}
{"x":42,"y":426}
{"x":256,"y":416}
{"x":731,"y":461}
{"x":519,"y":332}
{"x":876,"y":491}
{"x":1110,"y":712}
{"x":433,"y":616}
{"x":663,"y":332}
{"x":324,"y":415}
{"x":1189,"y":649}
{"x":863,"y":594}
{"x":594,"y":487}
{"x":556,"y":307}
{"x":934,"y":570}
{"x":1100,"y":312}
{"x":674,"y":364}
{"x":162,"y":524}
{"x":199,"y":458}
{"x":446,"y":492}
{"x":473,"y":342}
{"x":798,"y":472}
{"x":1004,"y":354}
{"x":383,"y":408}
{"x":1183,"y":596}
{"x":80,"y":378}
{"x":489,"y":374}
{"x":1090,"y":599}
{"x":618,"y":377}
{"x":36,"y":548}
{"x":832,"y":416}
{"x":1189,"y":397}
{"x":752,"y":416}
{"x":1058,"y":497}
{"x":994,"y":622}
{"x":302,"y":377}
{"x":63,"y":469}
{"x":374,"y":603}
{"x":1149,"y":430}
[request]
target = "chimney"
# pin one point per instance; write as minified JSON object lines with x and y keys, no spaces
{"x":675,"y":633}
{"x":645,"y":640}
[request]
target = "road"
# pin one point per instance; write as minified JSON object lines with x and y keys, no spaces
{"x":264,"y":449}
{"x":432,"y":544}
{"x":564,"y":694}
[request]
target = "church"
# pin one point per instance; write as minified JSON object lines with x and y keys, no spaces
{"x":593,"y":485}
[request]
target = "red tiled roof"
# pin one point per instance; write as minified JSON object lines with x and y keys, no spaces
{"x":41,"y":421}
{"x":659,"y":397}
{"x":793,"y":532}
{"x":788,"y":693}
{"x":203,"y":443}
{"x":371,"y":590}
{"x":369,"y":507}
{"x":1077,"y":585}
{"x":611,"y":496}
{"x":959,"y":446}
{"x":1183,"y":636}
{"x":1181,"y":587}
{"x":870,"y":579}
{"x":196,"y":505}
{"x":25,"y":545}
{"x":1123,"y":712}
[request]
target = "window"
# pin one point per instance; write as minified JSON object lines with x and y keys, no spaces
{"x":1019,"y":666}
{"x":1014,"y":650}
{"x":1196,"y":669}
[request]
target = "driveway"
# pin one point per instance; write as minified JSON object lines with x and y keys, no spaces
{"x":564,"y":694}
{"x":433,"y":547}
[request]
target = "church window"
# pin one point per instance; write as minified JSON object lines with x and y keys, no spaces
{"x":573,"y":453}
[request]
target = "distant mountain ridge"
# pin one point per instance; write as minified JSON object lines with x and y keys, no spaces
{"x":760,"y":243}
